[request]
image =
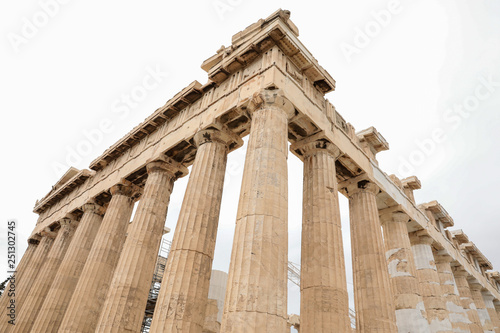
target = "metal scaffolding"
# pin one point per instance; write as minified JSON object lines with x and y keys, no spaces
{"x":154,"y":290}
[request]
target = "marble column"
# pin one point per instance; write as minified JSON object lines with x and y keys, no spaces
{"x":429,"y":282}
{"x":256,"y":296}
{"x":25,"y":260}
{"x":90,"y":292}
{"x":477,"y":296}
{"x":183,"y":296}
{"x":408,"y":301}
{"x":5,"y":300}
{"x":464,"y":291}
{"x":52,"y":311}
{"x":324,"y":302}
{"x":458,"y":317}
{"x":123,"y":310}
{"x":490,"y":307}
{"x":29,"y":276}
{"x":496,"y":303}
{"x":45,"y":278}
{"x":373,"y":299}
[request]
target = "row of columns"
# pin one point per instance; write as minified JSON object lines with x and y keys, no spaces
{"x":91,"y":289}
{"x":96,"y":277}
{"x":27,"y":277}
{"x":94,"y":274}
{"x":38,"y":291}
{"x":70,"y":270}
{"x":7,"y":297}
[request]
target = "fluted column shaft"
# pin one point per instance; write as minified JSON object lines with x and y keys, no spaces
{"x":123,"y":310}
{"x":458,"y":317}
{"x":256,"y":296}
{"x":183,"y":295}
{"x":45,"y":278}
{"x":408,"y":301}
{"x":52,"y":311}
{"x":490,"y":307}
{"x":324,"y":302}
{"x":497,"y":309}
{"x":466,"y":298}
{"x":430,"y":284}
{"x":90,"y":292}
{"x":484,"y":316}
{"x":7,"y":296}
{"x":25,"y":260}
{"x":29,"y":276}
{"x":375,"y":311}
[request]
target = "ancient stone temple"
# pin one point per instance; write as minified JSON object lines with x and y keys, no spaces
{"x":89,"y":269}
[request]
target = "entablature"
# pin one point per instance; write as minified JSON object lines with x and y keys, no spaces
{"x":181,"y":100}
{"x":494,"y":276}
{"x":68,"y":182}
{"x":372,"y":140}
{"x":494,"y":279}
{"x":412,"y":183}
{"x":439,"y":213}
{"x":247,"y":45}
{"x":478,"y":255}
{"x":460,"y":236}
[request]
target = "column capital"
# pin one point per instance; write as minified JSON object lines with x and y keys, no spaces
{"x":358,"y":185}
{"x":443,"y":256}
{"x":126,"y":188}
{"x":475,"y":285}
{"x":167,"y":165}
{"x":48,"y":233}
{"x":218,"y":134}
{"x":271,"y":98}
{"x":314,"y":144}
{"x":421,"y":237}
{"x":68,"y":220}
{"x":460,"y":271}
{"x":93,"y":207}
{"x":488,"y":296}
{"x":293,"y":320}
{"x":395,"y":216}
{"x":35,"y":239}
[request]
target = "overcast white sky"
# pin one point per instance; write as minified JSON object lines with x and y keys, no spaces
{"x":424,"y":70}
